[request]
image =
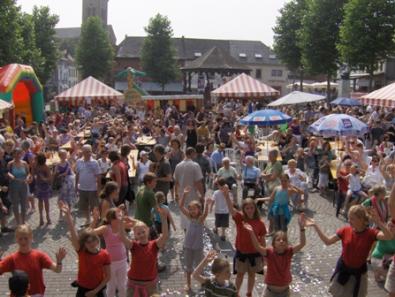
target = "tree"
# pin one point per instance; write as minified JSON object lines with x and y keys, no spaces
{"x":158,"y":53}
{"x":44,"y":30}
{"x":367,"y":34}
{"x":286,"y":42}
{"x":94,"y":53}
{"x":11,"y":43}
{"x":320,"y":35}
{"x":31,"y":55}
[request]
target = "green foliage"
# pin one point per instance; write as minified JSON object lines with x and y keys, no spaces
{"x":11,"y":43}
{"x":286,"y":42}
{"x":44,"y":29}
{"x":70,"y":45}
{"x":158,"y":53}
{"x":367,"y":33}
{"x":31,"y":55}
{"x":320,"y":35}
{"x":94,"y":53}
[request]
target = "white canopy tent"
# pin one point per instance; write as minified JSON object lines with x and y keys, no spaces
{"x":297,"y":97}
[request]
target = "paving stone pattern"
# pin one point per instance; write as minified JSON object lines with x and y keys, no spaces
{"x":311,"y":268}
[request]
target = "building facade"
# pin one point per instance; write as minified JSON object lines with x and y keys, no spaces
{"x":255,"y":55}
{"x":65,"y":75}
{"x":97,"y":8}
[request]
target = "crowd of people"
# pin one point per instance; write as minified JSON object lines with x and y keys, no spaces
{"x":100,"y":166}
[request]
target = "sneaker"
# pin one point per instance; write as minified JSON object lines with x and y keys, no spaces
{"x":6,"y":230}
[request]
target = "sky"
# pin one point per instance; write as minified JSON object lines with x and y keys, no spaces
{"x":215,"y":19}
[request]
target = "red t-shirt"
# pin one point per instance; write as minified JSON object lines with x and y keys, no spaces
{"x":278,"y":267}
{"x":356,"y":246}
{"x":123,"y":170}
{"x":90,"y":268}
{"x":144,"y":261}
{"x":243,"y":238}
{"x":342,"y":183}
{"x":33,"y":264}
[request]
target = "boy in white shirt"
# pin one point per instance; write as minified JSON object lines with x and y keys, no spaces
{"x":221,"y":209}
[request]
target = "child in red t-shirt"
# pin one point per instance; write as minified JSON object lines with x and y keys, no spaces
{"x":350,"y":276}
{"x":247,"y":258}
{"x":278,"y":259}
{"x":390,"y":281}
{"x":31,"y":261}
{"x":143,"y":272}
{"x":93,"y":263}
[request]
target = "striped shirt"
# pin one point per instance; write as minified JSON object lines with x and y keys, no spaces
{"x":213,"y":289}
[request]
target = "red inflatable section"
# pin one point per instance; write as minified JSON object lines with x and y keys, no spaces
{"x":22,"y":101}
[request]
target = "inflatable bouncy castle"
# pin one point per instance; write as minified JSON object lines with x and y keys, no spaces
{"x":20,"y":86}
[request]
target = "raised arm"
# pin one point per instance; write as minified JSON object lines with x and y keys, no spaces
{"x":126,"y":241}
{"x":197,"y":273}
{"x":229,"y":201}
{"x":255,"y":242}
{"x":384,"y":233}
{"x":182,"y":202}
{"x":57,"y":267}
{"x":327,"y":240}
{"x":302,"y":241}
{"x":207,"y":206}
{"x":73,"y":233}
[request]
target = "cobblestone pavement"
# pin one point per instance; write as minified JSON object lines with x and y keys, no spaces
{"x":311,"y":268}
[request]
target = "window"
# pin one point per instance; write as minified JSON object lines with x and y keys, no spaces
{"x":243,"y":55}
{"x":258,"y":73}
{"x":272,"y":56}
{"x":258,"y":56}
{"x":198,"y":54}
{"x":277,"y":73}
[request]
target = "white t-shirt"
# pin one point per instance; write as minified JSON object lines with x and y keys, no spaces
{"x":354,"y":183}
{"x":220,"y":202}
{"x":87,"y":172}
{"x":142,"y":169}
{"x":104,"y":165}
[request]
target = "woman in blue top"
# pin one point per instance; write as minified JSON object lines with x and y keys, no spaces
{"x":18,"y":173}
{"x":279,"y":201}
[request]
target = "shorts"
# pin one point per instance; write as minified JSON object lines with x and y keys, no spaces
{"x":192,"y":259}
{"x":88,"y":200}
{"x":390,"y":280}
{"x":81,"y":292}
{"x":245,"y":267}
{"x":323,"y":180}
{"x":221,"y":220}
{"x":150,"y":287}
{"x":271,"y":293}
{"x":338,"y":290}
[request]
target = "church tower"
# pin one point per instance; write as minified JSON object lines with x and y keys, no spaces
{"x":95,"y":8}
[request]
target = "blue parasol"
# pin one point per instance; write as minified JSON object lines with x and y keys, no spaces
{"x":346,"y":102}
{"x":266,"y":117}
{"x":338,"y":125}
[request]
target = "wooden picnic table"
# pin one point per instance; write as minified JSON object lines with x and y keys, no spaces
{"x":53,"y":159}
{"x":132,"y":158}
{"x":265,"y":147}
{"x":333,"y":168}
{"x":145,"y":141}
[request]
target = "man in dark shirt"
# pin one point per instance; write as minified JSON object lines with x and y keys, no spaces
{"x":203,"y":162}
{"x":163,"y":170}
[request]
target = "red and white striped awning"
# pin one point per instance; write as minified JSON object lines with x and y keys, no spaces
{"x":245,"y":87}
{"x":90,"y":91}
{"x":381,"y":97}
